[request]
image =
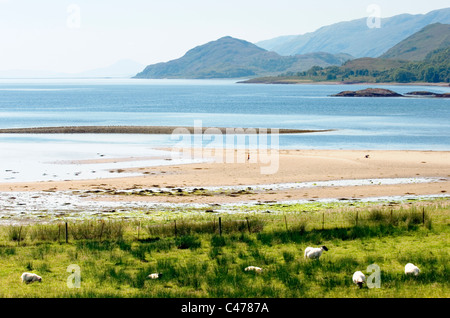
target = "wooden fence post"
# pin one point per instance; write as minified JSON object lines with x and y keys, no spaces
{"x":67,"y":233}
{"x":248,"y":225}
{"x":423,"y":215}
{"x":220,"y":226}
{"x":356,"y":218}
{"x":175,"y":221}
{"x":285,"y":222}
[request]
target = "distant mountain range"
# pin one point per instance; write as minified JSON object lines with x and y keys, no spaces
{"x":355,"y":37}
{"x":350,"y":45}
{"x":120,"y":69}
{"x":422,"y":57}
{"x":416,"y":47}
{"x":229,"y":57}
{"x":402,"y":37}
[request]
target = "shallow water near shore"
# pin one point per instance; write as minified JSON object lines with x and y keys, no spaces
{"x":82,"y":159}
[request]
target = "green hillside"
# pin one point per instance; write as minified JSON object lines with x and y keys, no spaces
{"x":417,"y":46}
{"x":372,"y":64}
{"x":434,"y":68}
{"x":228,"y":57}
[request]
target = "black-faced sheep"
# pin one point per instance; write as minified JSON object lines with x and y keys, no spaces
{"x":314,"y":252}
{"x":359,"y":278}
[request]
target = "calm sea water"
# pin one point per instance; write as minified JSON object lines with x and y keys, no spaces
{"x":360,"y":123}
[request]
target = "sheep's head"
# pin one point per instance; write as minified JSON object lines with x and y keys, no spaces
{"x":324,"y":248}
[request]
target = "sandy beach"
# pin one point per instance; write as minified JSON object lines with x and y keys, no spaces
{"x":294,"y":166}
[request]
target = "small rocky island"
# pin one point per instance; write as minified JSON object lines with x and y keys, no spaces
{"x":381,"y":92}
{"x":427,"y":94}
{"x":369,"y":92}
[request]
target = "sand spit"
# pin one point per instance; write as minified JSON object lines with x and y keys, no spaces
{"x":165,"y":130}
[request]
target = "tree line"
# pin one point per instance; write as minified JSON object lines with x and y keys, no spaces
{"x":433,"y":69}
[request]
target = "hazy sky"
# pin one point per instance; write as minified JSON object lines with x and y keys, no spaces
{"x":77,"y":35}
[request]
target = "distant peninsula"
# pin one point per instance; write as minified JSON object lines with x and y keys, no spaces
{"x":433,"y":70}
{"x":229,"y":57}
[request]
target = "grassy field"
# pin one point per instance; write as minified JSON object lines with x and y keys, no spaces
{"x":200,"y":259}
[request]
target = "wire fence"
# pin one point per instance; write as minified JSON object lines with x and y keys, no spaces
{"x":64,"y":232}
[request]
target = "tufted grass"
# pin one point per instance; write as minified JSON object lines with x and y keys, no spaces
{"x":199,"y":262}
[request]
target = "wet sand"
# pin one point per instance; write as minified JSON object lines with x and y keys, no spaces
{"x":293,"y":166}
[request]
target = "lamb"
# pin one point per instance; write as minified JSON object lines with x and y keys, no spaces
{"x":359,"y":278}
{"x":253,"y":268}
{"x":411,"y":269}
{"x":314,"y":252}
{"x":154,"y":275}
{"x":30,"y":278}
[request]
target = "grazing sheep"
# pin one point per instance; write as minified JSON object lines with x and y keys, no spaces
{"x":314,"y":252}
{"x":359,"y":278}
{"x":253,"y":268}
{"x":411,"y":269}
{"x":154,"y":275}
{"x":30,"y":278}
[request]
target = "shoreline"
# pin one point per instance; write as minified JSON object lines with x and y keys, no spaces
{"x":306,"y":82}
{"x":295,"y":166}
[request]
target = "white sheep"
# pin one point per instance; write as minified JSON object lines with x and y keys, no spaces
{"x":411,"y":269}
{"x":154,"y":275}
{"x":314,"y":252}
{"x":254,"y":268}
{"x":30,"y":278}
{"x":359,"y":278}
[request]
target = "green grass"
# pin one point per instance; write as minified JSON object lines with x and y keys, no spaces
{"x":196,"y":261}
